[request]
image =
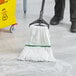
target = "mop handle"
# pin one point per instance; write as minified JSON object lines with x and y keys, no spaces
{"x":41,"y":12}
{"x":43,"y":2}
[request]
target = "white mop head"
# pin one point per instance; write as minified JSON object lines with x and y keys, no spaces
{"x":38,"y":47}
{"x":37,"y":54}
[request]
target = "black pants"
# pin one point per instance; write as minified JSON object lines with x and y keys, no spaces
{"x":60,"y":6}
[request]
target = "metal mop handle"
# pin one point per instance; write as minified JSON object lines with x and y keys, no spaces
{"x":43,"y":2}
{"x":42,"y":8}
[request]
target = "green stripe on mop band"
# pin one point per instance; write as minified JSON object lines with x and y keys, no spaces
{"x":38,"y":45}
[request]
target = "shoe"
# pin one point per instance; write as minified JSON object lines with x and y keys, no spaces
{"x":55,"y":20}
{"x":73,"y":27}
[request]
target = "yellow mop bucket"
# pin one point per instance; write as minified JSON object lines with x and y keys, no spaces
{"x":7,"y":13}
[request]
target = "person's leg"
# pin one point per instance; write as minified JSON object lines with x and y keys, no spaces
{"x":59,"y":8}
{"x":73,"y":15}
{"x":59,"y":12}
